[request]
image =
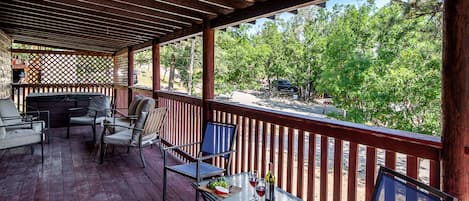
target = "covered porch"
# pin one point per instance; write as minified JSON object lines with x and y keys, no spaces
{"x":314,"y":159}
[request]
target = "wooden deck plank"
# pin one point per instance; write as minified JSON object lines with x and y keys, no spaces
{"x":70,"y":172}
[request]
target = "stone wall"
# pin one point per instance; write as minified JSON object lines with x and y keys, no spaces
{"x":5,"y":65}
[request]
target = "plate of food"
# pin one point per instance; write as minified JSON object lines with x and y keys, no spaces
{"x":220,"y":187}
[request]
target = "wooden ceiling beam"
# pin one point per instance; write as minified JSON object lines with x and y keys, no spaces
{"x":72,"y":52}
{"x":230,"y":3}
{"x":169,"y":9}
{"x":165,"y":20}
{"x":71,"y":45}
{"x":172,"y":37}
{"x":54,"y":19}
{"x":50,"y":46}
{"x":65,"y":38}
{"x":181,"y":34}
{"x":198,"y":6}
{"x":53,"y":29}
{"x":72,"y":27}
{"x":95,"y":12}
{"x":260,"y":10}
{"x":69,"y":39}
{"x":64,"y":13}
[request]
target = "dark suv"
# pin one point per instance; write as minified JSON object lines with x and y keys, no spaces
{"x":284,"y":85}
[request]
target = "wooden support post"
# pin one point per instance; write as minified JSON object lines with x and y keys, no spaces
{"x":130,"y":72}
{"x":156,"y":66}
{"x":208,"y":71}
{"x":455,"y":98}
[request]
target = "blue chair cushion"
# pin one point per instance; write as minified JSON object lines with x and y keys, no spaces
{"x":189,"y":169}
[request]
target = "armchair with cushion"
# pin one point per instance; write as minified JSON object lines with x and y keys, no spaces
{"x":23,"y":135}
{"x":146,"y":131}
{"x":98,"y":109}
{"x":17,"y":120}
{"x":138,"y":105}
{"x":218,"y":140}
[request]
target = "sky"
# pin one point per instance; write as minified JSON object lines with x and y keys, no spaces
{"x":329,"y":5}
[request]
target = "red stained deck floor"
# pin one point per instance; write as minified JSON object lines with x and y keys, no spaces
{"x":70,"y":172}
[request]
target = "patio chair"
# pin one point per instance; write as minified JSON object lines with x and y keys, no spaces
{"x":98,"y":109}
{"x":18,"y":120}
{"x":23,"y":134}
{"x":138,"y":105}
{"x":146,"y":131}
{"x":218,"y":140}
{"x":391,"y":185}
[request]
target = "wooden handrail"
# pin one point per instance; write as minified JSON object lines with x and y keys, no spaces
{"x":414,"y":144}
{"x":180,"y":97}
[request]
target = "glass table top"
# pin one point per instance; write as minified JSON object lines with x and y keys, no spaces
{"x":241,"y":180}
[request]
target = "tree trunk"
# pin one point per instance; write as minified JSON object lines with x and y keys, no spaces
{"x":191,"y":69}
{"x":172,"y":67}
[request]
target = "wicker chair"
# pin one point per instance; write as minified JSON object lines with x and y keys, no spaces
{"x":146,"y":131}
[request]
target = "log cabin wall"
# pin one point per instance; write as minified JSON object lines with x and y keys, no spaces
{"x":5,"y":65}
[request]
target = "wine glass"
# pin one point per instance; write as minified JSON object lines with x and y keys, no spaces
{"x":260,"y":187}
{"x":253,"y":182}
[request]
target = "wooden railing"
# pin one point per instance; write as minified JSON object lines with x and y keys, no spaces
{"x":20,"y":91}
{"x":314,"y":158}
{"x":184,"y":120}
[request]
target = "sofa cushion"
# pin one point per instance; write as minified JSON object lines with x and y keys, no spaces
{"x":133,"y":105}
{"x":2,"y":130}
{"x":101,"y":104}
{"x":124,"y":137}
{"x":37,"y":126}
{"x":145,"y":105}
{"x":20,"y":137}
{"x":8,"y":109}
{"x":86,"y":120}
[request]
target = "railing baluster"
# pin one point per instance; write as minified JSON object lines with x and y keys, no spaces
{"x":390,"y":159}
{"x":264,"y":148}
{"x":352,"y":172}
{"x":256,"y":146}
{"x":412,"y":166}
{"x":324,"y":168}
{"x":301,"y":165}
{"x":280,"y":156}
{"x":234,"y":161}
{"x":311,"y":165}
{"x":338,"y":154}
{"x":435,"y":174}
{"x":290,"y":155}
{"x":370,"y":171}
{"x":250,"y":149}
{"x":239,"y":148}
{"x":245,"y":134}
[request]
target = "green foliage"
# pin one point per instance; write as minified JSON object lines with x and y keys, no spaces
{"x":381,"y":65}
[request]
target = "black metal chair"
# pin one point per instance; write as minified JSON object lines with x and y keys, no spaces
{"x":217,"y":141}
{"x":99,"y":108}
{"x":391,"y":186}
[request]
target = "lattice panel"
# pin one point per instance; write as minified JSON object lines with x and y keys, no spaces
{"x":68,"y":69}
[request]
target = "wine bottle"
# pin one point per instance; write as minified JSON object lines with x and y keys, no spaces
{"x":270,"y":180}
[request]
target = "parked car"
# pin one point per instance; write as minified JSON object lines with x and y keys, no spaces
{"x":284,"y":85}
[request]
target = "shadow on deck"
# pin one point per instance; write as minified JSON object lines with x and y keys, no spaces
{"x":70,"y":172}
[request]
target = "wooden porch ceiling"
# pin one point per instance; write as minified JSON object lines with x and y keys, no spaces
{"x":111,"y":25}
